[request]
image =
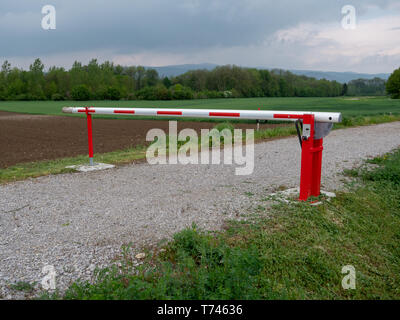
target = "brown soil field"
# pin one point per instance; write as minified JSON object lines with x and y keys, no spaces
{"x":28,"y":138}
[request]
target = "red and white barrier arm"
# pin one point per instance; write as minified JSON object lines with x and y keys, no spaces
{"x":316,"y":125}
{"x":332,"y":117}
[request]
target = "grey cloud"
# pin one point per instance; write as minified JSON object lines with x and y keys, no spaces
{"x":159,"y":25}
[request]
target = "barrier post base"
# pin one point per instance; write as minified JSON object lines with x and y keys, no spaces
{"x":94,"y":167}
{"x":292,"y":194}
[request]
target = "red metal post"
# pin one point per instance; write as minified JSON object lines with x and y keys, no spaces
{"x":90,"y":135}
{"x":311,"y":161}
{"x":317,"y":168}
{"x":306,"y":174}
{"x":311,"y":157}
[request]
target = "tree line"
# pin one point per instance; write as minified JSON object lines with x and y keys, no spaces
{"x":366,"y":87}
{"x":107,"y":81}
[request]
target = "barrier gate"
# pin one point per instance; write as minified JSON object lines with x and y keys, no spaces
{"x":311,"y":127}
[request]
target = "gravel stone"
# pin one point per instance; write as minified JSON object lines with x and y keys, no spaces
{"x":79,"y":221}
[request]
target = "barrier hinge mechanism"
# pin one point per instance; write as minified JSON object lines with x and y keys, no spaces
{"x":306,"y":132}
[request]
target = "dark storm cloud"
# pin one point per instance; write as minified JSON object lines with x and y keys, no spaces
{"x":159,"y":25}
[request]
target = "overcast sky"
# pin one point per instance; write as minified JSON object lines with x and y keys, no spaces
{"x":289,"y":34}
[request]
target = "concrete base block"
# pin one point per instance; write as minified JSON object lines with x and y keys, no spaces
{"x":95,"y":167}
{"x":293,"y":194}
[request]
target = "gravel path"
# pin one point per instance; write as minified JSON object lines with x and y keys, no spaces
{"x":78,"y":221}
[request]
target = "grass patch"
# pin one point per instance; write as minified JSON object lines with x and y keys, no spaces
{"x":23,"y":286}
{"x":357,"y":121}
{"x":42,"y":168}
{"x":296,"y":253}
{"x":388,"y":170}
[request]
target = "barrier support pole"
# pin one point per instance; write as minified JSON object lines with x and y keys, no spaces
{"x":306,"y":157}
{"x":90,"y":136}
{"x":311,"y":156}
{"x":311,"y":160}
{"x":317,"y":167}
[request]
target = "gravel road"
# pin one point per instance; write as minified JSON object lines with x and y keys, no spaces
{"x":78,"y":221}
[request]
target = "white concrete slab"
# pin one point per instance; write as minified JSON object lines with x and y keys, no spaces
{"x":293,"y":194}
{"x":95,"y":167}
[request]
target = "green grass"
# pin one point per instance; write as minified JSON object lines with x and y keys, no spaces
{"x":42,"y":168}
{"x":365,"y":106}
{"x":294,"y":251}
{"x":23,"y":286}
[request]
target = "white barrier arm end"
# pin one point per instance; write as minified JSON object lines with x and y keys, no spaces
{"x":67,"y":110}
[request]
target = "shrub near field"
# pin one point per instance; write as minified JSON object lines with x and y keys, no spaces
{"x":393,"y":84}
{"x":292,"y":251}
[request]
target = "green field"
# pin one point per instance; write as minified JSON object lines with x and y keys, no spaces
{"x":364,"y":106}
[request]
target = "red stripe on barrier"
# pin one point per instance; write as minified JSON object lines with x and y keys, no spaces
{"x":224,"y":114}
{"x":172,"y":113}
{"x":89,"y":110}
{"x":288,"y":116}
{"x":125,"y":111}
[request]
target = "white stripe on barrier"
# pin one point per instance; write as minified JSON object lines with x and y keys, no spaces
{"x":333,"y":117}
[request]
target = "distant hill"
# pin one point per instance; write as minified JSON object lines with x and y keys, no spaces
{"x":342,"y":77}
{"x":173,"y":71}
